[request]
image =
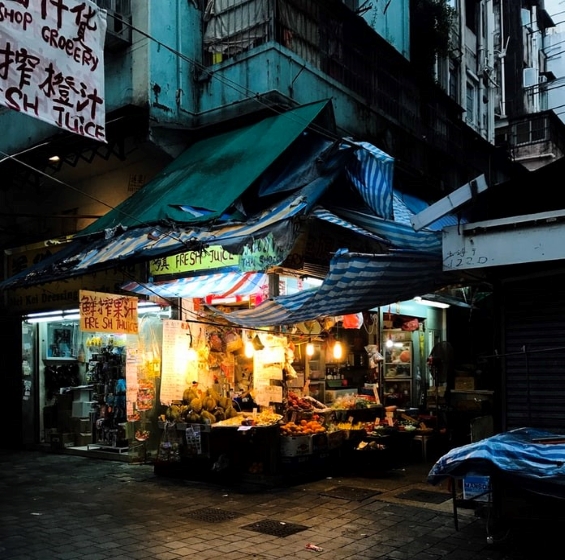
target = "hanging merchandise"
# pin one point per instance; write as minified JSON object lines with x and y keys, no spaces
{"x":410,"y":325}
{"x":233,"y":341}
{"x":374,"y":355}
{"x":354,"y":321}
{"x":169,"y":448}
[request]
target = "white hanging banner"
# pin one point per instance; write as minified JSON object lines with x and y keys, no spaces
{"x":177,"y":370}
{"x":52,"y":63}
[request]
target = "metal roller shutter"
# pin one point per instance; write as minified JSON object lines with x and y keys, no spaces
{"x":534,"y":353}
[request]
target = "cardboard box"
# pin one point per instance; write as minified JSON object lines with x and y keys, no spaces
{"x":464,"y":383}
{"x":83,"y":439}
{"x":294,"y":446}
{"x":81,"y":409}
{"x":335,"y":439}
{"x":81,"y":425}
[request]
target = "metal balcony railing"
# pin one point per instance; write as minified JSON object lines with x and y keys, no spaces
{"x":118,"y":32}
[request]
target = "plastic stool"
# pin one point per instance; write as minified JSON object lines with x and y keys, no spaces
{"x":423,"y":440}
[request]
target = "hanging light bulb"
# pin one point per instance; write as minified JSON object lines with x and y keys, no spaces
{"x":389,"y":342}
{"x":309,"y":348}
{"x":338,"y":350}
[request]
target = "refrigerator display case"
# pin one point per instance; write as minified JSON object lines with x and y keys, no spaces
{"x":397,"y":369}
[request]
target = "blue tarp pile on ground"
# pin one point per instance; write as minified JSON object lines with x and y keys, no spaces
{"x":533,"y":460}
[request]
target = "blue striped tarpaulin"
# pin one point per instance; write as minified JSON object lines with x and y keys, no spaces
{"x":524,"y":456}
{"x":355,"y":282}
{"x":221,"y":285}
{"x":400,"y":235}
{"x":371,"y":174}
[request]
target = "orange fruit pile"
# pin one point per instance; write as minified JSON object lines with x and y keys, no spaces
{"x":303,"y":427}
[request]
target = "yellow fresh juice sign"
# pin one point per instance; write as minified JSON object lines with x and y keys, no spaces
{"x":208,"y":259}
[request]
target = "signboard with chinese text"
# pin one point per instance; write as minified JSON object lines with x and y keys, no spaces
{"x":261,"y":254}
{"x":210,"y":258}
{"x":101,"y":312}
{"x":52,"y":63}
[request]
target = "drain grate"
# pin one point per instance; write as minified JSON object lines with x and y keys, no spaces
{"x":350,"y":493}
{"x":275,"y":528}
{"x":212,"y":515}
{"x":426,"y":496}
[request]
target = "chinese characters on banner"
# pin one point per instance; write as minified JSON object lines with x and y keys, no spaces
{"x":52,"y":63}
{"x":107,"y":313}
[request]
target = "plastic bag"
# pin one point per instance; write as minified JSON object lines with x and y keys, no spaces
{"x":169,"y":447}
{"x":354,"y":321}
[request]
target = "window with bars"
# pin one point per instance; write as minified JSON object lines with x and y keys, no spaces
{"x":530,"y":131}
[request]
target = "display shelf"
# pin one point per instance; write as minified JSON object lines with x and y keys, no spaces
{"x":315,"y":372}
{"x":397,"y":367}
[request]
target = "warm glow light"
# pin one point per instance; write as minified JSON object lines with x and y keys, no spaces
{"x":249,"y":349}
{"x":389,"y":343}
{"x":309,"y":349}
{"x":338,"y":350}
{"x":192,"y":355}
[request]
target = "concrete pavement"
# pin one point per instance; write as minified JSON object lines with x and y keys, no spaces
{"x":59,"y":506}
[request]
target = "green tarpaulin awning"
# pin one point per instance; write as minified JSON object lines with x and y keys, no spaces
{"x":202,"y":183}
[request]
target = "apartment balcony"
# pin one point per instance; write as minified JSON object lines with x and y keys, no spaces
{"x":329,"y":40}
{"x":118,"y":31}
{"x":534,"y":140}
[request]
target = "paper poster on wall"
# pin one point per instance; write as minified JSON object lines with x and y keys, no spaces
{"x":177,"y":371}
{"x":268,"y":370}
{"x":267,"y":394}
{"x":133,"y":362}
